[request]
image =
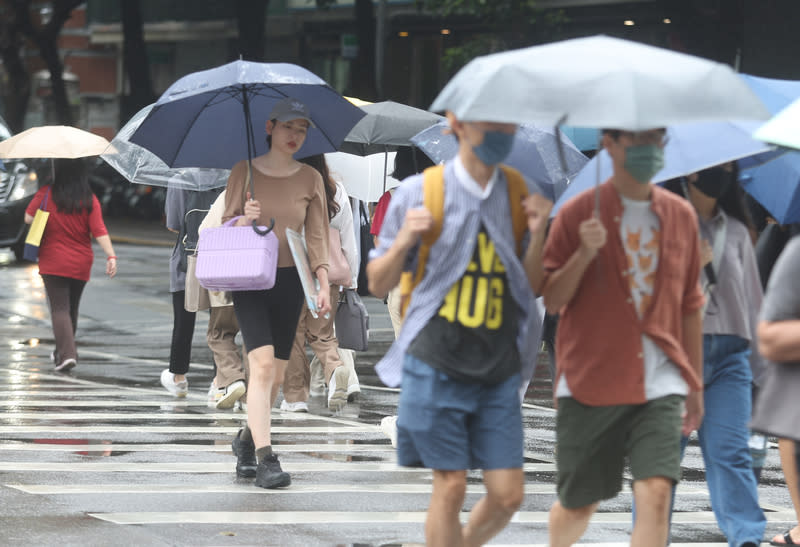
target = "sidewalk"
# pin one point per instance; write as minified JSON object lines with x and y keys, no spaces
{"x":140,"y":232}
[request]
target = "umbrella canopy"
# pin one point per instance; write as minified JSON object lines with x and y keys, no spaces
{"x":598,"y":82}
{"x":386,"y":125}
{"x":690,"y":148}
{"x":53,"y":141}
{"x":535,"y":154}
{"x":775,"y":94}
{"x":776,"y":186}
{"x":140,"y":166}
{"x":207,"y":119}
{"x":364,"y":177}
{"x":782,"y":129}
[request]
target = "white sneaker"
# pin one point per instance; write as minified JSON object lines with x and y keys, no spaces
{"x":389,"y":428}
{"x":66,"y":365}
{"x":353,"y":392}
{"x":178,"y":389}
{"x":297,"y":406}
{"x":211,"y":398}
{"x":337,"y":389}
{"x":226,"y":397}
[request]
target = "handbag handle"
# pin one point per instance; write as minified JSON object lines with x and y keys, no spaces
{"x":256,"y":228}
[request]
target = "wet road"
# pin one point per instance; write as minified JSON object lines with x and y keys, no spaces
{"x":103,"y":454}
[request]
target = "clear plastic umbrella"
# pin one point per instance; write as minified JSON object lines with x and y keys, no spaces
{"x":140,"y":166}
{"x":535,"y":154}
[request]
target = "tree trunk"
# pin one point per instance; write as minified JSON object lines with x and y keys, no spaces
{"x":363,"y":74}
{"x":48,"y":50}
{"x":251,"y":19}
{"x":135,"y":62}
{"x":46,"y":40}
{"x":16,"y":93}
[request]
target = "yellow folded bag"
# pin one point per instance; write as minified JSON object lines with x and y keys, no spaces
{"x":36,"y":231}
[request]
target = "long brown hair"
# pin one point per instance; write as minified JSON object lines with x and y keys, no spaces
{"x":317,"y":161}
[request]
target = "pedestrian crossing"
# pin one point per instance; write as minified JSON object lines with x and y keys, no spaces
{"x":133,"y":456}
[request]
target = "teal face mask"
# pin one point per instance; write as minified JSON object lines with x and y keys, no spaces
{"x":644,"y":161}
{"x":496,"y":147}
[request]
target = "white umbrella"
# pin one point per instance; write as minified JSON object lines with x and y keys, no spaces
{"x":53,"y":141}
{"x":783,"y":128}
{"x":598,"y":82}
{"x":362,"y":176}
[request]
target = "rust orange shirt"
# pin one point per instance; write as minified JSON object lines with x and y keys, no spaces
{"x":599,"y":337}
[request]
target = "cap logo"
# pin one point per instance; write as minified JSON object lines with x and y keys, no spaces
{"x":295,"y":105}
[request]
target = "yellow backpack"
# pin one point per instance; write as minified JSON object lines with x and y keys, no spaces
{"x":433,"y":199}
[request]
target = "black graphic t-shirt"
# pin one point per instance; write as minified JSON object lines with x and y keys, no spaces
{"x":473,"y":336}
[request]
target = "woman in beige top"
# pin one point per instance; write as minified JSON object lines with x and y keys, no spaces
{"x":293,"y":195}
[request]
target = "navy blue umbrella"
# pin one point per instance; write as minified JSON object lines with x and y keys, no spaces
{"x":215,"y":118}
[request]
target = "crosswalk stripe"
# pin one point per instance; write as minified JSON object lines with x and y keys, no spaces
{"x":117,"y":403}
{"x":172,"y":429}
{"x":387,"y":488}
{"x":225,"y":467}
{"x":374,"y":517}
{"x":222,"y":446}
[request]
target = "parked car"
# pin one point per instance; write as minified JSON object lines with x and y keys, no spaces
{"x":18,"y":184}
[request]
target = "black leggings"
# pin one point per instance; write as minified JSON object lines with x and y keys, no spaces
{"x":180,"y":351}
{"x":269,"y":317}
{"x":64,"y":297}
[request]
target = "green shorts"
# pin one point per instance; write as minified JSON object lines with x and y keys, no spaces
{"x":593,"y":441}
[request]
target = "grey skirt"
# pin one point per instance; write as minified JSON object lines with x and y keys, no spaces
{"x":776,"y":411}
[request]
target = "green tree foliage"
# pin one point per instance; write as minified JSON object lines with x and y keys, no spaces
{"x":506,"y":24}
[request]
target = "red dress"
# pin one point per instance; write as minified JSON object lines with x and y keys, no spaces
{"x":66,"y":247}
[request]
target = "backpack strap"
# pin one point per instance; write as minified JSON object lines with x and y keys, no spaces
{"x":433,"y":200}
{"x":517,"y":190}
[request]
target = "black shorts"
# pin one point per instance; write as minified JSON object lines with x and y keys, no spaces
{"x":269,"y":317}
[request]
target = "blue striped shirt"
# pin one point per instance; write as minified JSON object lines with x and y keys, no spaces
{"x":464,"y":212}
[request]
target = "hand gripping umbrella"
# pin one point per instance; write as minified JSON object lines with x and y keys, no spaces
{"x":206,"y":119}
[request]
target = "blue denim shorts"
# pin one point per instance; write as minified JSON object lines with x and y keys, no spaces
{"x":449,"y":425}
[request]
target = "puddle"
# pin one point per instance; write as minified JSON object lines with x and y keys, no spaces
{"x":93,"y":447}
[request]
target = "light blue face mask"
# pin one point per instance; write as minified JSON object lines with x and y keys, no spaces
{"x":496,"y":147}
{"x":644,"y":161}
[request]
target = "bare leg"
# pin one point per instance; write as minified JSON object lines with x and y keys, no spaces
{"x":266,"y":377}
{"x":790,"y":474}
{"x":652,"y":496}
{"x":568,"y":525}
{"x":504,"y":493}
{"x":442,"y":525}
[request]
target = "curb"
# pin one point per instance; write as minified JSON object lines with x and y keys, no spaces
{"x":139,"y":241}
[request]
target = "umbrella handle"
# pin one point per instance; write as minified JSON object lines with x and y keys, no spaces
{"x":264,"y":232}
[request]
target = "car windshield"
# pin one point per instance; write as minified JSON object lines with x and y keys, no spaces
{"x":4,"y":131}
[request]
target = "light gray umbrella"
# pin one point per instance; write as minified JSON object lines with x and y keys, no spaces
{"x":140,"y":166}
{"x":386,"y":126}
{"x":598,"y":82}
{"x":782,"y":129}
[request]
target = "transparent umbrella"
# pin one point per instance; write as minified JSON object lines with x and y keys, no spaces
{"x":140,"y":166}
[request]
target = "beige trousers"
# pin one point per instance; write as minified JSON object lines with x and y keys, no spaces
{"x":320,"y":336}
{"x":230,"y":360}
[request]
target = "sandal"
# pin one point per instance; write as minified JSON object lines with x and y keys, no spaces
{"x":787,"y":539}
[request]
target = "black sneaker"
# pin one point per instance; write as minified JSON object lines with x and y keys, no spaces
{"x":270,"y":474}
{"x":245,"y":453}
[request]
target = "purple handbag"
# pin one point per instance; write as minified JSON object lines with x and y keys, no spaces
{"x":236,"y":258}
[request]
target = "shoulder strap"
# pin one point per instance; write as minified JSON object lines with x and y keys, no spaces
{"x":517,"y":190}
{"x":43,"y":204}
{"x":433,"y":199}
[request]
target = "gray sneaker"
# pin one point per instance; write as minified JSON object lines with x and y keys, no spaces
{"x":337,"y":389}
